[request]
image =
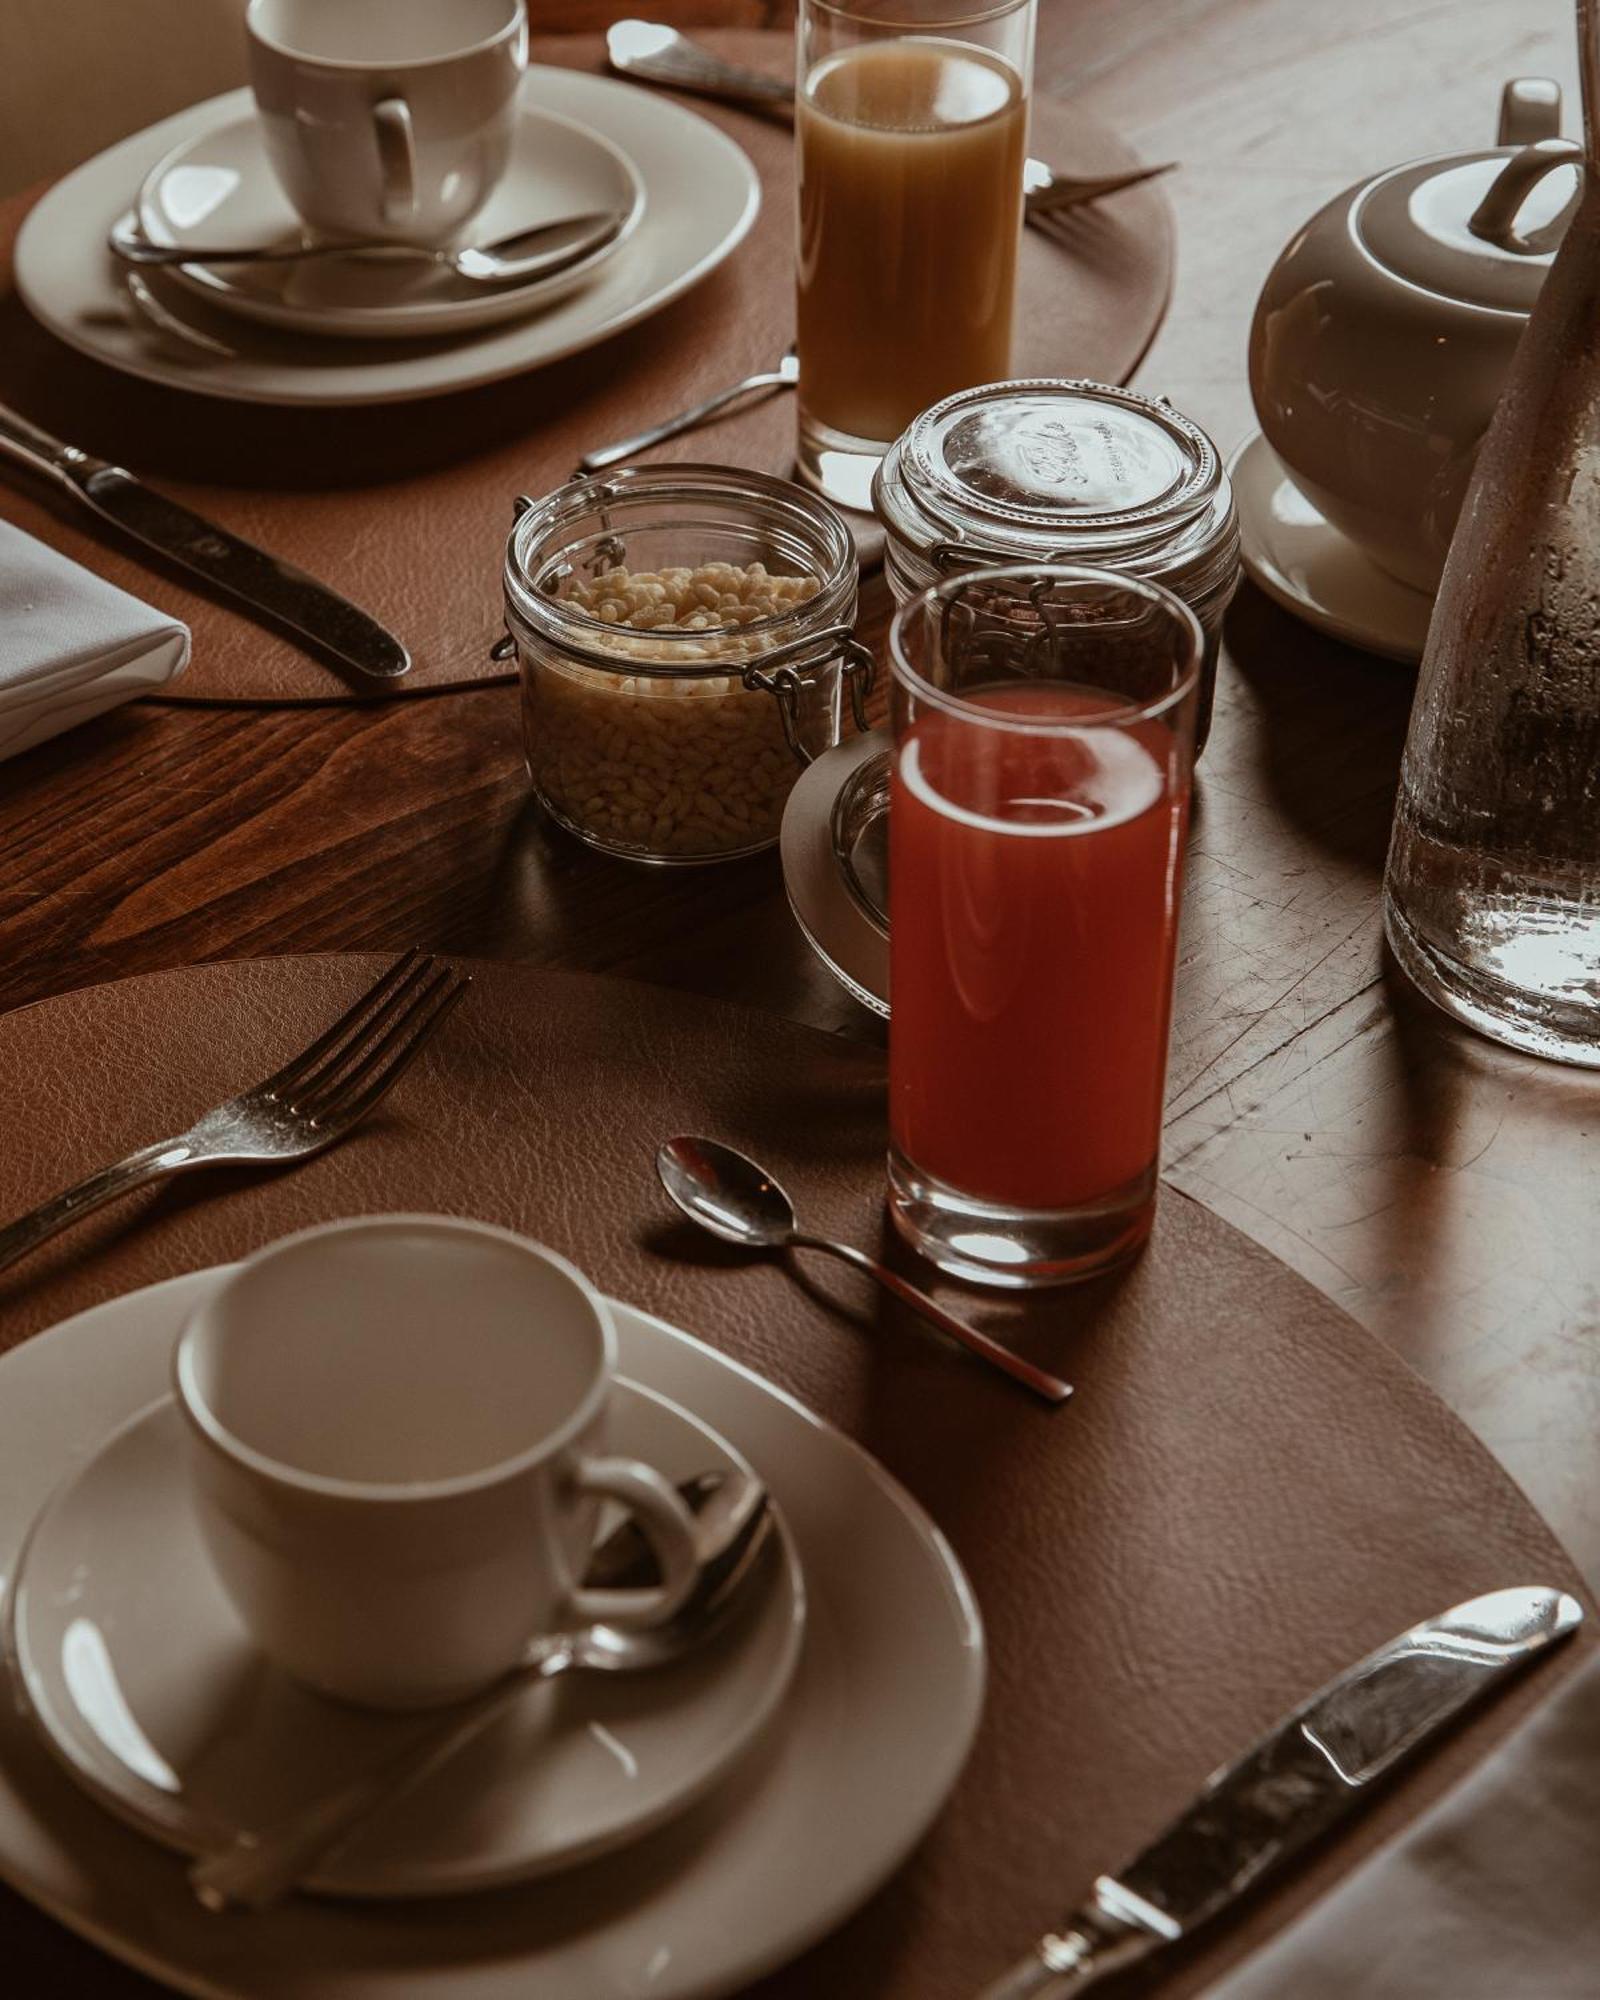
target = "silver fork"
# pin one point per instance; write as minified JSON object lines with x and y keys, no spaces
{"x":307,"y":1106}
{"x":653,"y":53}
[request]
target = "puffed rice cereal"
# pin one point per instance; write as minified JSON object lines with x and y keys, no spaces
{"x":666,"y":765}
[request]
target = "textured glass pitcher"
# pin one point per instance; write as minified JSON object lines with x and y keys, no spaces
{"x":1492,"y":896}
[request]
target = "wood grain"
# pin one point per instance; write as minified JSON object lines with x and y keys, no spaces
{"x":1442,"y":1190}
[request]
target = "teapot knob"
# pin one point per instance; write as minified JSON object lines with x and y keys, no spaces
{"x":1494,"y":220}
{"x":1530,"y":109}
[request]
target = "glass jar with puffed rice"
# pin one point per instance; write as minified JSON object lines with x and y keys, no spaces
{"x":683,"y":637}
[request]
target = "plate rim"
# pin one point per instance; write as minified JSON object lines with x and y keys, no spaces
{"x":419,"y":321}
{"x":197,"y":382}
{"x":92,"y":1917}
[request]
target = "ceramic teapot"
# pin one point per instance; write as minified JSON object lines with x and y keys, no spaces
{"x":1386,"y":327}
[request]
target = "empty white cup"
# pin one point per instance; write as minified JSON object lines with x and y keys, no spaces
{"x":387,"y":118}
{"x":396,"y":1437}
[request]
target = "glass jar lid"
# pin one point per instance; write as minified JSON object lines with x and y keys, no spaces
{"x":1049,"y":467}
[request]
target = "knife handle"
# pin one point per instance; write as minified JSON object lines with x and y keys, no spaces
{"x":41,"y":452}
{"x":1096,"y":1945}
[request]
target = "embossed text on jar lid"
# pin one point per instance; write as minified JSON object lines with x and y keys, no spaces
{"x":1049,"y":455}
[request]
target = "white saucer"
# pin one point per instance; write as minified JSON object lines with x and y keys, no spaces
{"x":149,"y":1688}
{"x":856,"y":1764}
{"x":1302,"y":562}
{"x":850,"y":945}
{"x":218,"y":187}
{"x":701,"y":197}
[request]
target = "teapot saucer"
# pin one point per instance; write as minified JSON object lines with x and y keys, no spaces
{"x":1304,"y":563}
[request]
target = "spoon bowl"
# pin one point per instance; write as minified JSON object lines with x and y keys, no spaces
{"x":726,"y":1193}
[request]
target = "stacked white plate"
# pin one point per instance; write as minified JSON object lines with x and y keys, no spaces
{"x":743,"y":1806}
{"x":369,"y":330}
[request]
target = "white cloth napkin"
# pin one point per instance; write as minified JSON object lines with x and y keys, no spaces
{"x":71,"y":644}
{"x":1493,"y":1895}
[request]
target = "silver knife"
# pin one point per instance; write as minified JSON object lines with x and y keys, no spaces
{"x":1304,"y":1776}
{"x":277,"y":592}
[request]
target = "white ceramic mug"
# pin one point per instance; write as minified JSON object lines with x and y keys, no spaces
{"x":396,"y":1436}
{"x":387,"y":118}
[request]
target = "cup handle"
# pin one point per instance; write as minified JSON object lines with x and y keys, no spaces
{"x":667,"y":1525}
{"x":397,"y":159}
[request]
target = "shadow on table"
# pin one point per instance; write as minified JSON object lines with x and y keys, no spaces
{"x":1328,"y":726}
{"x":722,"y":931}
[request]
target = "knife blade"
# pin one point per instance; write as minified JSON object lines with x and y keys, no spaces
{"x":1310,"y":1771}
{"x":275,"y":591}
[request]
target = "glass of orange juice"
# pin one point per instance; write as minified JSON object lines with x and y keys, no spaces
{"x":1044,"y":741}
{"x":911,"y":130}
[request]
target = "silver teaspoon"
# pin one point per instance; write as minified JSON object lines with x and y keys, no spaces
{"x":729,"y":1195}
{"x":528,"y":253}
{"x":738,"y":1547}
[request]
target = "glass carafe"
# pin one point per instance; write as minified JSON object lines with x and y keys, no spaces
{"x":1492,"y":896}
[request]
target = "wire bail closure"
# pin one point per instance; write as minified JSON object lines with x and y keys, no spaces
{"x":774,"y":673}
{"x":858,"y":672}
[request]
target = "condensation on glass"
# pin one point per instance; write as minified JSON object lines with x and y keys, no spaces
{"x":1492,"y":895}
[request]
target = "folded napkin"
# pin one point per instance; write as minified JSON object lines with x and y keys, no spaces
{"x":71,"y":644}
{"x":1493,"y":1895}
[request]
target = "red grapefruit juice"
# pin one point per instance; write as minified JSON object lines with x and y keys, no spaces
{"x":1034,"y":884}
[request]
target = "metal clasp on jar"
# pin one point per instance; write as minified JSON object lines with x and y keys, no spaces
{"x":610,"y":551}
{"x":785,"y":683}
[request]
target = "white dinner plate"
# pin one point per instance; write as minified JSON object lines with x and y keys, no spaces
{"x":1304,"y":563}
{"x":853,"y":948}
{"x":218,"y":187}
{"x":701,"y":197}
{"x":855,"y":1766}
{"x":143,"y":1679}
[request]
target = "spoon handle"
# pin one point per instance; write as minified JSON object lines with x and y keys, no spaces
{"x":133,"y":249}
{"x":258,"y":1868}
{"x":685,"y":420}
{"x":1050,"y":1387}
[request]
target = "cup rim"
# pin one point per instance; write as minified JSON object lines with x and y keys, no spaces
{"x":976,"y":16}
{"x":216,"y":1436}
{"x":517,"y":19}
{"x":1115,"y":715}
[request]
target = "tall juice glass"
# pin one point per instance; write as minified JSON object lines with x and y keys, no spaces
{"x":911,"y":132}
{"x":1044,"y":743}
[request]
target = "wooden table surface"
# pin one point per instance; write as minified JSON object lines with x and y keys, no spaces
{"x":1442,"y":1190}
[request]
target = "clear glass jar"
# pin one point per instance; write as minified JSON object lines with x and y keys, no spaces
{"x":673,"y":744}
{"x":1055,"y":471}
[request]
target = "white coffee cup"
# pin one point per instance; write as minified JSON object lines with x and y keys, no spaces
{"x":387,"y":118}
{"x":396,"y":1434}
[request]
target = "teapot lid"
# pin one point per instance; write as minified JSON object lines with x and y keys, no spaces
{"x":1426,"y":223}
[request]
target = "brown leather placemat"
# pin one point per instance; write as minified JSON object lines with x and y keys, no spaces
{"x":1247,"y":1493}
{"x":405,"y":509}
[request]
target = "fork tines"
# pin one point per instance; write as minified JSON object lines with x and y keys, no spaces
{"x":345,"y":1072}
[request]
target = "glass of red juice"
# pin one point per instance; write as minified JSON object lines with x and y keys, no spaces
{"x":1044,"y":747}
